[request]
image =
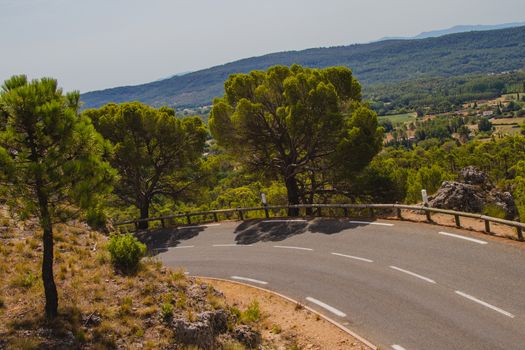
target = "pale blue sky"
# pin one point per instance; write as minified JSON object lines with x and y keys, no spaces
{"x":95,"y":44}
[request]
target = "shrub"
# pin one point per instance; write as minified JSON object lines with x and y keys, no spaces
{"x":494,"y":211}
{"x":252,"y":313}
{"x":166,"y":311}
{"x":126,"y":252}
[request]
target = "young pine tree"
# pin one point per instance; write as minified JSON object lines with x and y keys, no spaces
{"x":51,"y":160}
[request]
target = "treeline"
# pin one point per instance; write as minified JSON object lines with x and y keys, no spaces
{"x":383,"y":62}
{"x":439,"y":95}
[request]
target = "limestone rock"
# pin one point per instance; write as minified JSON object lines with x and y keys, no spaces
{"x":472,"y":193}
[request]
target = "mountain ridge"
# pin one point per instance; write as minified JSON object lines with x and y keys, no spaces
{"x":490,"y":51}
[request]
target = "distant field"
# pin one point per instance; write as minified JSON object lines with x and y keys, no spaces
{"x":400,"y":118}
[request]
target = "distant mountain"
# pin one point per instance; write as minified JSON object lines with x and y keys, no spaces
{"x":456,"y":29}
{"x":490,"y":51}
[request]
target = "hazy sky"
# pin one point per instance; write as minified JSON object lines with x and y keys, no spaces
{"x":95,"y":44}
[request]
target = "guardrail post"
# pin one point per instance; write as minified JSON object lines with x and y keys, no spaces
{"x":346,"y":211}
{"x":371,"y":212}
{"x":487,"y":226}
{"x":241,"y":215}
{"x":215,"y":218}
{"x":399,"y":216}
{"x":456,"y":218}
{"x":266,"y":212}
{"x":188,"y":218}
{"x":519,"y":231}
{"x":319,"y":213}
{"x":136,"y":225}
{"x":162,"y":223}
{"x":429,"y":217}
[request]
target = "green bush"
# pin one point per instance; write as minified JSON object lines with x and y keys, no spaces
{"x":126,"y":252}
{"x":494,"y":211}
{"x":166,"y":311}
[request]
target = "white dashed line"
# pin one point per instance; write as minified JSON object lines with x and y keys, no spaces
{"x":233,"y":245}
{"x":413,"y":274}
{"x":287,"y":220}
{"x":397,"y":347}
{"x":184,"y":247}
{"x":291,"y":247}
{"x":462,"y":237}
{"x":327,"y":307}
{"x":353,"y":257}
{"x":476,"y":300}
{"x":370,"y":223}
{"x":239,"y":278}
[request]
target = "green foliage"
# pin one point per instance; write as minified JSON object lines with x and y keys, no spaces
{"x":296,"y":125}
{"x":126,"y":252}
{"x":494,"y":211}
{"x":484,"y":124}
{"x":166,"y":311}
{"x":252,"y":314}
{"x":156,"y":154}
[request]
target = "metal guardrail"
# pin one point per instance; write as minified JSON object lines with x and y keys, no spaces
{"x":240,"y":212}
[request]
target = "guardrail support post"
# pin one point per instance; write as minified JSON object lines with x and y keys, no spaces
{"x":487,"y":226}
{"x":519,"y":231}
{"x":319,"y":213}
{"x":429,"y":218}
{"x":162,"y":223}
{"x":456,"y":218}
{"x":399,"y":216}
{"x":371,"y":212}
{"x":266,"y":212}
{"x":241,"y":215}
{"x":215,"y":218}
{"x":136,"y":225}
{"x":346,"y":212}
{"x":188,"y":218}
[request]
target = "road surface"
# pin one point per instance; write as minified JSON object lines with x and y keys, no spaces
{"x":400,"y":285}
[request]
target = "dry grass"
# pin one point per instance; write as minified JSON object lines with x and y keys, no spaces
{"x":132,"y":309}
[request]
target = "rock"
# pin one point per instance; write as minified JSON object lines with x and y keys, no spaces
{"x":193,"y":333}
{"x":247,"y":336}
{"x":202,"y":332}
{"x":472,"y":194}
{"x":218,"y":320}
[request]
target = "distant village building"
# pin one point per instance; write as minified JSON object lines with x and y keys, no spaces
{"x":488,"y":113}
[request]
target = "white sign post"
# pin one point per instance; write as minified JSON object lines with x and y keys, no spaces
{"x":263,"y":198}
{"x":424,"y":195}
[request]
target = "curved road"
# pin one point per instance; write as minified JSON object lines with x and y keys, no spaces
{"x":401,"y":285}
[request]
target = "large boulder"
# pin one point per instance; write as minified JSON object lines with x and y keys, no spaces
{"x":202,"y":332}
{"x":472,"y":193}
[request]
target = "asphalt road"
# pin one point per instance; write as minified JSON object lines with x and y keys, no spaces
{"x":400,"y":285}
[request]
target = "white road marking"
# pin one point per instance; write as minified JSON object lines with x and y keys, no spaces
{"x":291,"y":247}
{"x":198,"y":226}
{"x":353,"y":257}
{"x":397,"y":347}
{"x":184,"y":247}
{"x":413,"y":274}
{"x":497,"y":309}
{"x":233,"y":245}
{"x":463,"y":237}
{"x":326,"y":306}
{"x":248,"y":279}
{"x":285,"y":220}
{"x":370,"y":223}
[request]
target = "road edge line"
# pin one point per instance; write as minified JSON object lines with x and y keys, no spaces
{"x":326,"y":318}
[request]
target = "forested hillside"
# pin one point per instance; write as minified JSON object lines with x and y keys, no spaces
{"x":387,"y":61}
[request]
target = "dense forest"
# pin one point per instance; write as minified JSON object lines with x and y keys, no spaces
{"x":389,"y":61}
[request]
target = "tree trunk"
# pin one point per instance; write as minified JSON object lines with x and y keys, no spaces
{"x":144,"y":214}
{"x":293,"y":195}
{"x":50,"y":288}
